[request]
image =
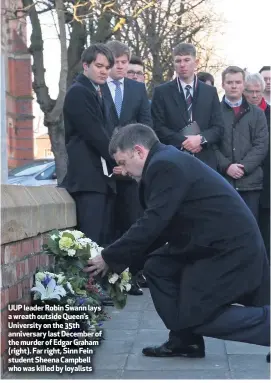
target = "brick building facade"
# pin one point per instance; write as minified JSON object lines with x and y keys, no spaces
{"x":19,"y":112}
{"x":42,"y":147}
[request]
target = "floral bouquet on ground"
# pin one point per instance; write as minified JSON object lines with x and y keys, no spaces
{"x":55,"y":291}
{"x":72,"y":250}
{"x":117,"y":286}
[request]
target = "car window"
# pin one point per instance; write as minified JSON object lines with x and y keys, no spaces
{"x":47,"y":173}
{"x":27,"y":171}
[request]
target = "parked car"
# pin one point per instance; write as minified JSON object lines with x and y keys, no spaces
{"x":36,"y":175}
{"x":24,"y":168}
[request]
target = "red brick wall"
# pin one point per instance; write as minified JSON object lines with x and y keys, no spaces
{"x":19,"y":94}
{"x":19,"y":261}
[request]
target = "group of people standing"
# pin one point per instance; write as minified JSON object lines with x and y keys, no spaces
{"x":232,"y":135}
{"x":205,"y":251}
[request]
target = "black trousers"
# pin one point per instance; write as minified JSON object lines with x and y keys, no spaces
{"x":252,"y":199}
{"x":264,"y":224}
{"x":127,"y":210}
{"x":127,"y":206}
{"x":95,"y":216}
{"x":249,"y":323}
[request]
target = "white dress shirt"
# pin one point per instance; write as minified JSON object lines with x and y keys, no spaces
{"x":183,"y":84}
{"x":112,"y":87}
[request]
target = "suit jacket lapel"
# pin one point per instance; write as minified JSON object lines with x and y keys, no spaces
{"x":179,"y":100}
{"x":196,"y":96}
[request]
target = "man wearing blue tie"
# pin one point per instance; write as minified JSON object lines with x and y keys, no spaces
{"x":129,"y":104}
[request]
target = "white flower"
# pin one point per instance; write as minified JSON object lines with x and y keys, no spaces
{"x":94,"y":252}
{"x":124,"y":286}
{"x":60,"y":278}
{"x":71,"y":252}
{"x":70,"y":287}
{"x":77,"y":234}
{"x":52,"y":290}
{"x":113,"y":279}
{"x":84,"y":241}
{"x":128,"y":287}
{"x":54,"y":236}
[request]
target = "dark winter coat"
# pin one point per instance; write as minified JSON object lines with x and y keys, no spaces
{"x":87,"y":137}
{"x":203,"y":223}
{"x":245,"y":141}
{"x":265,"y":194}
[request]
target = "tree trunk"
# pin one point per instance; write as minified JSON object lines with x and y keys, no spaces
{"x":57,"y":136}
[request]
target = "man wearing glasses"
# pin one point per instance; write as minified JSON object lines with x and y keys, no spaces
{"x":136,"y":69}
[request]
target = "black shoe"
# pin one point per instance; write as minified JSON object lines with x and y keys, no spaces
{"x":268,"y":357}
{"x":168,"y":349}
{"x":135,"y":290}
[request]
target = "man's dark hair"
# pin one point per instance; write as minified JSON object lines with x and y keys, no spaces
{"x":205,"y":76}
{"x":233,"y":70}
{"x":118,"y":48}
{"x":184,"y":49}
{"x":264,"y":68}
{"x":126,"y":137}
{"x":90,"y":54}
{"x":136,"y":60}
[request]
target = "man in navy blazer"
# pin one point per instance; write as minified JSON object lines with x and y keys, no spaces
{"x":129,"y":103}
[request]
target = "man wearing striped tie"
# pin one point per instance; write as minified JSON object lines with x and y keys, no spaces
{"x":186,"y":112}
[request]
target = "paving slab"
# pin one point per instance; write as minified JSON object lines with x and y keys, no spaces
{"x":179,"y":374}
{"x":237,"y":348}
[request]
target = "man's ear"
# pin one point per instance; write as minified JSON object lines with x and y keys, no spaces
{"x":140,"y":150}
{"x":85,"y":66}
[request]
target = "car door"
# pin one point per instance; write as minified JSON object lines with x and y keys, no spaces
{"x":46,"y":176}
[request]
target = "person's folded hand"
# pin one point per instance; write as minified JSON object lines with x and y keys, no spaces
{"x":119,"y":171}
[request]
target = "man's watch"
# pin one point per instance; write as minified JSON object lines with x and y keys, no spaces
{"x":203,"y":140}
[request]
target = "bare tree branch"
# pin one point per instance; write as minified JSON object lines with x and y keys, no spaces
{"x":36,"y":49}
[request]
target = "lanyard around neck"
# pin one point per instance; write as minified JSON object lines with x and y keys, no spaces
{"x":195,"y":83}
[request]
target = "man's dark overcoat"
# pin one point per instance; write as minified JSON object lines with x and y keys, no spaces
{"x":202,"y":222}
{"x":87,"y":137}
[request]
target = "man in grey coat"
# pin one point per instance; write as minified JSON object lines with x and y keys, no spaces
{"x":244,"y":144}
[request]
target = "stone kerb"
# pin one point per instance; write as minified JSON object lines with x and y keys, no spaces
{"x":28,"y":211}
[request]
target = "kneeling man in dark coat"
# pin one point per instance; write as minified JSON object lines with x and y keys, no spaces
{"x":205,"y":261}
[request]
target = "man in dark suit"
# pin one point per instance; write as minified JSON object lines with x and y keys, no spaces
{"x":128,"y":104}
{"x":185,"y":100}
{"x":87,"y":136}
{"x":204,"y":249}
